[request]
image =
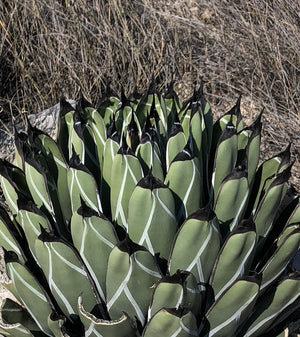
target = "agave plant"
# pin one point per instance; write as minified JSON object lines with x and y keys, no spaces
{"x":144,"y":218}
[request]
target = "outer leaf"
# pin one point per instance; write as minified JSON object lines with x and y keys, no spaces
{"x":266,"y":210}
{"x":31,"y":220}
{"x":9,"y":189}
{"x":75,"y":141}
{"x":13,"y":314}
{"x":95,"y":327}
{"x":151,"y":216}
{"x":131,"y":274}
{"x":172,"y":322}
{"x":232,"y":308}
{"x":10,"y":238}
{"x":15,"y":330}
{"x":199,"y":236}
{"x":280,"y":259}
{"x":264,"y":177}
{"x":30,"y":292}
{"x":234,"y":258}
{"x":172,"y":105}
{"x":59,"y":169}
{"x":98,"y":132}
{"x":271,"y":305}
{"x":65,"y":273}
{"x":93,"y":236}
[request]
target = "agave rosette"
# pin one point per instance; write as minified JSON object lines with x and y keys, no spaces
{"x":144,"y":218}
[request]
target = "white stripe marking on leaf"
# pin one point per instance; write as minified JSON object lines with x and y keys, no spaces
{"x":47,"y":205}
{"x":147,"y":270}
{"x":102,"y":238}
{"x":53,"y":286}
{"x":189,"y":331}
{"x":145,"y":232}
{"x":238,"y":272}
{"x":165,"y":207}
{"x":30,"y":287}
{"x":87,"y":199}
{"x":258,"y":325}
{"x":119,"y":209}
{"x":95,"y":278}
{"x":232,"y":318}
{"x":121,"y":287}
{"x":136,"y":307}
{"x":68,"y":263}
{"x":7,"y":195}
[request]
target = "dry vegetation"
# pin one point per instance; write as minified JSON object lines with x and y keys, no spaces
{"x":50,"y":47}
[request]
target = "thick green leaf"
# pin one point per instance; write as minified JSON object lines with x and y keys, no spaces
{"x":225,"y":157}
{"x":10,"y":238}
{"x":269,"y":308}
{"x":126,"y":173}
{"x":93,"y":236}
{"x":30,"y":293}
{"x":232,"y":308}
{"x":196,"y":245}
{"x":179,"y":290}
{"x":111,"y":148}
{"x":151,"y":216}
{"x":170,"y":322}
{"x":59,"y":169}
{"x":277,"y":263}
{"x":234,"y":258}
{"x":66,"y":274}
{"x":13,"y":313}
{"x":131,"y":275}
{"x":176,"y":143}
{"x":185,"y":181}
{"x":95,"y":327}
{"x":266,"y":210}
{"x":82,"y":186}
{"x":265,"y":175}
{"x":31,"y":220}
{"x":231,"y":200}
{"x":149,"y":155}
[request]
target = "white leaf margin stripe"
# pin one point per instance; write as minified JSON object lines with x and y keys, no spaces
{"x":261,"y":323}
{"x":101,"y":237}
{"x":85,"y":260}
{"x":68,"y":263}
{"x":11,"y":243}
{"x":121,"y":287}
{"x":34,"y":291}
{"x":27,"y":285}
{"x":233,"y":317}
{"x":146,"y":269}
{"x":136,"y":307}
{"x":145,"y":235}
{"x":7,"y":195}
{"x":238,"y":271}
{"x":87,"y":199}
{"x":28,"y":168}
{"x":53,"y":285}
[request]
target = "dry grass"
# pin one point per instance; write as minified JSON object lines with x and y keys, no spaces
{"x":50,"y":47}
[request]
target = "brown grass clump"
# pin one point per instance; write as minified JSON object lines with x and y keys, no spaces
{"x":50,"y":47}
